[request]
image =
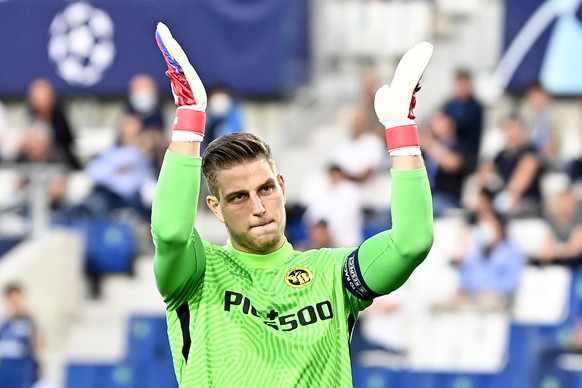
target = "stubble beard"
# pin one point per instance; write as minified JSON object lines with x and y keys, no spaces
{"x":264,"y":243}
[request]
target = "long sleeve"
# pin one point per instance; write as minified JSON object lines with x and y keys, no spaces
{"x":509,"y":274}
{"x":121,"y":169}
{"x":179,"y":261}
{"x":387,"y":259}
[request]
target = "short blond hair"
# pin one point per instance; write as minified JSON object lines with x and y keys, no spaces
{"x":233,"y":150}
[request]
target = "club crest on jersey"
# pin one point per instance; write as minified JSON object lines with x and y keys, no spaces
{"x":298,"y":277}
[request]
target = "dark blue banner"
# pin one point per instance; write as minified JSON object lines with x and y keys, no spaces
{"x":542,"y":43}
{"x":255,"y":46}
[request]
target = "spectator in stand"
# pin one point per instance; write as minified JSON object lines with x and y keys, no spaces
{"x":120,"y":173}
{"x":340,"y":205}
{"x":319,"y":236}
{"x":491,"y":270}
{"x":362,"y":154}
{"x":563,"y":242}
{"x":38,"y":148}
{"x":482,"y":202}
{"x":18,"y":342}
{"x":540,"y":122}
{"x":445,"y":162}
{"x":223,"y":115}
{"x":467,"y":113}
{"x":47,"y":115}
{"x":368,"y":86}
{"x":518,"y":165}
{"x":144,"y":102}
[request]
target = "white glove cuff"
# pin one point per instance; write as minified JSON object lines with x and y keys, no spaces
{"x":199,"y":107}
{"x":407,"y":151}
{"x":187,"y":136}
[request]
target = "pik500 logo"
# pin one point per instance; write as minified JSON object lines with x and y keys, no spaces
{"x":305,"y":316}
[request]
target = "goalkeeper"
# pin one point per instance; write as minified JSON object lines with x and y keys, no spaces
{"x":255,"y":312}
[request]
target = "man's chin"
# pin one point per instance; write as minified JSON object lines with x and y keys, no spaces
{"x":266,"y":242}
{"x":261,"y":240}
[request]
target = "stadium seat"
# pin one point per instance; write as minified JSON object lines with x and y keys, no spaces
{"x":528,"y":234}
{"x":149,"y":356}
{"x":454,"y":380}
{"x":97,"y":375}
{"x":557,"y":369}
{"x":521,"y":356}
{"x":543,"y":296}
{"x":110,"y":246}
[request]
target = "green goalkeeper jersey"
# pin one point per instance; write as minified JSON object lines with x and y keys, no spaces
{"x":278,"y":320}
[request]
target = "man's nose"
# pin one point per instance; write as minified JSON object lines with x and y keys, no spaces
{"x":258,"y":208}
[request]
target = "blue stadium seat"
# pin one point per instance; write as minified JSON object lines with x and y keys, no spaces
{"x":149,"y":356}
{"x":97,"y":375}
{"x":455,"y":380}
{"x":110,"y":246}
{"x":558,"y":369}
{"x":364,"y":377}
{"x":17,"y":372}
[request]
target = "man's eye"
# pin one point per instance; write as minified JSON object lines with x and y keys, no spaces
{"x":238,"y":197}
{"x":267,"y":189}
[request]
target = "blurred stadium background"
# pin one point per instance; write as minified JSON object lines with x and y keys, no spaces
{"x":297,"y":68}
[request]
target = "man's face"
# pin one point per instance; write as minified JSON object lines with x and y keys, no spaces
{"x":15,"y":302}
{"x":514,"y":134}
{"x":463,"y":87}
{"x":538,"y":100}
{"x":251,"y":204}
{"x":442,"y":126}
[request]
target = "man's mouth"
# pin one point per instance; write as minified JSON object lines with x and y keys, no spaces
{"x":262,"y":224}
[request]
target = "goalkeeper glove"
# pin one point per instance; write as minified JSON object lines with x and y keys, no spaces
{"x":187,"y":88}
{"x":395,"y":104}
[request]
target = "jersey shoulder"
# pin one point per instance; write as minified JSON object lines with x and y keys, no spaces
{"x":326,"y":255}
{"x":323,"y":259}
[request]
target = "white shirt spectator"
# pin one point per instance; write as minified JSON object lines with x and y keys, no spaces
{"x":340,"y":205}
{"x":360,"y":154}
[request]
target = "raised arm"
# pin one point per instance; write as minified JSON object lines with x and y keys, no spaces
{"x":179,"y":260}
{"x":384,"y":262}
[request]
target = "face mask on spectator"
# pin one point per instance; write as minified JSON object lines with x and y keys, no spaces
{"x":143,"y":101}
{"x":219,"y":104}
{"x":484,"y":235}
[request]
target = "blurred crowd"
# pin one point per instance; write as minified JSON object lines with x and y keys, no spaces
{"x":506,"y":180}
{"x":489,"y":175}
{"x":112,"y":188}
{"x":121,"y":177}
{"x":488,"y":189}
{"x":106,"y":196}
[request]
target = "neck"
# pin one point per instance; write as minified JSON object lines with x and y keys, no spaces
{"x":254,"y":259}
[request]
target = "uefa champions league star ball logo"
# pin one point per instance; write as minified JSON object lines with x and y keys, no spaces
{"x":81,"y":44}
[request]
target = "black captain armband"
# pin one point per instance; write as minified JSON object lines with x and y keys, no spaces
{"x":353,"y":279}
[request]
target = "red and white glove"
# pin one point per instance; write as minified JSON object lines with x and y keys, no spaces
{"x":395,"y":104}
{"x":187,"y":88}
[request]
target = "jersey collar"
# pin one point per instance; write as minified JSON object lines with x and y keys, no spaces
{"x":253,"y":260}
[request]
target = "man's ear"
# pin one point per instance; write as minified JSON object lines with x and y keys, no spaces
{"x":281,"y":181}
{"x":214,"y":205}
